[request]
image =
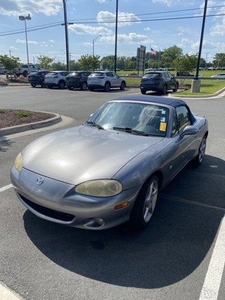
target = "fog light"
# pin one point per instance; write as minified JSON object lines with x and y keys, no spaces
{"x":122,"y":205}
{"x":99,"y":221}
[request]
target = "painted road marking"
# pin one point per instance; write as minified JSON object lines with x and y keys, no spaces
{"x":6,"y":187}
{"x":215,"y":270}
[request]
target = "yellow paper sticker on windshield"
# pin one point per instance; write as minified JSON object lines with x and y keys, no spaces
{"x":162,"y":126}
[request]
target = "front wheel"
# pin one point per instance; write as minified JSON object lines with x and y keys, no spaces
{"x":145,"y":204}
{"x":33,"y":85}
{"x":143,"y":92}
{"x":197,"y":161}
{"x":175,"y":89}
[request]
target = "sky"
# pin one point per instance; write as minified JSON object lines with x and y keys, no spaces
{"x":156,"y":24}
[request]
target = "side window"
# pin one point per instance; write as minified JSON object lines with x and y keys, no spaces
{"x":182,"y":117}
{"x":175,"y":129}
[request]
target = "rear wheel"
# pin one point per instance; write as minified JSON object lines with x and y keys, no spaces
{"x":91,"y":89}
{"x":123,"y":86}
{"x":197,"y":161}
{"x":164,"y":90}
{"x":33,"y":85}
{"x":175,"y":89}
{"x":145,"y":204}
{"x":43,"y":85}
{"x":84,"y":86}
{"x":107,"y":87}
{"x":143,"y":92}
{"x":61,"y":84}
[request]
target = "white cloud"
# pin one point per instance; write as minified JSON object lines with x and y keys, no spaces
{"x":167,"y":2}
{"x":124,"y":18}
{"x":21,"y":7}
{"x":24,"y":41}
{"x":84,"y":29}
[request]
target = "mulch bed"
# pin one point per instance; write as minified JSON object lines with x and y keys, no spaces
{"x":10,"y":118}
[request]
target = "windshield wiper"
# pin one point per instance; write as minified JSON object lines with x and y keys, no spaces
{"x":94,"y":124}
{"x":130,"y":130}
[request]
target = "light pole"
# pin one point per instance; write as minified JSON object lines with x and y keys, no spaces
{"x":93,"y":44}
{"x":23,"y":18}
{"x":159,"y":54}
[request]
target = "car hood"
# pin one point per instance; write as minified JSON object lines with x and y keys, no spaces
{"x":83,"y":153}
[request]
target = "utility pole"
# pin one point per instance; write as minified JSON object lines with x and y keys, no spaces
{"x":116,"y":29}
{"x":66,"y":37}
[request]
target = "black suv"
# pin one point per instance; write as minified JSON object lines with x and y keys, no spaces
{"x":37,"y":78}
{"x":159,"y":81}
{"x":77,"y":79}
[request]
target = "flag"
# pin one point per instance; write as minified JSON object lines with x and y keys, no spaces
{"x":153,"y":52}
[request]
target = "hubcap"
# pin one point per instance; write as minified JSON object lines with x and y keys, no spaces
{"x":202,"y":150}
{"x":150,"y":201}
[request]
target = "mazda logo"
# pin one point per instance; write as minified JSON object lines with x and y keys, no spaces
{"x":39,"y":180}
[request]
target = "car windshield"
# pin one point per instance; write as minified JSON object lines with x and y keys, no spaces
{"x":97,"y":74}
{"x":151,"y":75}
{"x":133,"y":118}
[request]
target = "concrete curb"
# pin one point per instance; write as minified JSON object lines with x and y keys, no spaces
{"x":30,"y":126}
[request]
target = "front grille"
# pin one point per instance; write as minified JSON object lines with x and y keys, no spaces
{"x":54,"y":214}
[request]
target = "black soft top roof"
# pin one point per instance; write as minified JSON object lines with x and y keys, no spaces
{"x":159,"y":100}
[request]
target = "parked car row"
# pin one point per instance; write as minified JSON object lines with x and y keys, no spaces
{"x":80,"y":79}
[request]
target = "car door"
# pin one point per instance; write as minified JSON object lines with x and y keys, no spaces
{"x":115,"y":80}
{"x":180,"y":149}
{"x":170,"y":81}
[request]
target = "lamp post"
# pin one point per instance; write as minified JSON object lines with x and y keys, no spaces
{"x":93,"y":45}
{"x":159,"y":55}
{"x":23,"y":18}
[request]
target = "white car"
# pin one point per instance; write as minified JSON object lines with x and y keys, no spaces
{"x":26,"y":69}
{"x":105,"y":80}
{"x":218,"y":76}
{"x":56,"y":78}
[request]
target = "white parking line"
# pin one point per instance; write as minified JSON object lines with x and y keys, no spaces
{"x":6,"y":187}
{"x":214,"y":274}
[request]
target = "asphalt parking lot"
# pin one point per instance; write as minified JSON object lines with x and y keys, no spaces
{"x":180,"y":255}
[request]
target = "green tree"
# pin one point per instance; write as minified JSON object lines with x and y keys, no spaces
{"x":186,"y":63}
{"x":107,"y":62}
{"x":58,"y":66}
{"x":89,"y":62}
{"x":45,"y":62}
{"x":169,"y":55}
{"x":219,"y":60}
{"x":9,"y":62}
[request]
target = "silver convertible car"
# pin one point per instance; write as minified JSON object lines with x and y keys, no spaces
{"x":110,"y":170}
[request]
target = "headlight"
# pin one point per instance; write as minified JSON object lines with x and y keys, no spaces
{"x":100,"y":188}
{"x":18,"y":164}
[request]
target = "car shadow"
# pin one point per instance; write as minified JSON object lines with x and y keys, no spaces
{"x":177,"y":240}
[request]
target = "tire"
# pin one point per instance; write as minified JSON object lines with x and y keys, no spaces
{"x":143,"y":92}
{"x":43,"y":85}
{"x":61,"y":84}
{"x":70,"y":88}
{"x":25,"y":73}
{"x":164,"y":90}
{"x":107,"y":87}
{"x":49,"y":86}
{"x":197,"y":161}
{"x":84,"y":86}
{"x":123,"y":85}
{"x":145,"y":204}
{"x":33,"y":85}
{"x":175,"y":89}
{"x":91,"y":89}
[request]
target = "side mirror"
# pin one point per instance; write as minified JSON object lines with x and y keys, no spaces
{"x":189,"y":130}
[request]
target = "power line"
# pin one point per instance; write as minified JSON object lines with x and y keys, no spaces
{"x":120,"y":21}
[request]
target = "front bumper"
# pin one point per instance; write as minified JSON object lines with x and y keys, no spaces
{"x":58,"y":202}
